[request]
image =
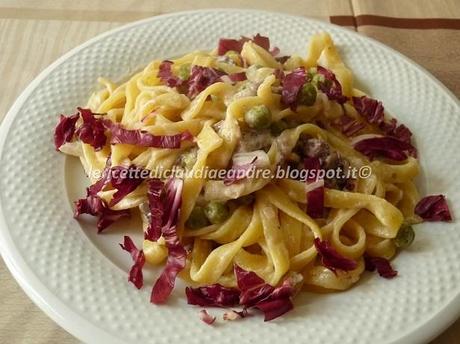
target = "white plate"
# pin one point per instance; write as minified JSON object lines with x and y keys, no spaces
{"x":80,"y":279}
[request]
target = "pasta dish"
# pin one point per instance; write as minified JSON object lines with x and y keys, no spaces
{"x":256,"y":175}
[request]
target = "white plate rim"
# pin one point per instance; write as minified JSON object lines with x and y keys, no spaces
{"x":83,"y":329}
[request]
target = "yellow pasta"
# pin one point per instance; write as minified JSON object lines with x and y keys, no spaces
{"x":235,"y":113}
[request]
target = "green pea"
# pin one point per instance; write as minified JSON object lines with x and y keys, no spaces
{"x":216,"y":212}
{"x":311,"y":72}
{"x":197,"y":218}
{"x":405,"y":237}
{"x":258,"y":117}
{"x":278,"y":127}
{"x":319,"y":80}
{"x":307,"y":95}
{"x":189,"y":160}
{"x":184,"y":71}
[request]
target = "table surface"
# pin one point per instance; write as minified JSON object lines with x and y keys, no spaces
{"x":35,"y":33}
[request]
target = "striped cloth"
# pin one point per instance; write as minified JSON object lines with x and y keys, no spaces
{"x":427,"y":31}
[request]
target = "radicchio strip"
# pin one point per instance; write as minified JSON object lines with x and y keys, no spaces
{"x":92,"y":130}
{"x":206,"y":317}
{"x":292,"y":83}
{"x":125,"y":180}
{"x":228,"y":44}
{"x":176,"y":252}
{"x":332,"y":87}
{"x":371,"y":109}
{"x":433,"y":208}
{"x":400,"y":131}
{"x":385,"y":146}
{"x":135,"y":273}
{"x":348,"y":125}
{"x":382,"y":265}
{"x":252,"y":292}
{"x":253,"y":288}
{"x":65,"y":130}
{"x":201,"y":78}
{"x":273,"y":302}
{"x":94,"y":206}
{"x":264,"y":42}
{"x":331,"y":259}
{"x":315,"y":196}
{"x":214,"y":295}
{"x":155,"y":188}
{"x":237,"y":76}
{"x":166,"y":75}
{"x":143,"y":138}
{"x":274,"y":308}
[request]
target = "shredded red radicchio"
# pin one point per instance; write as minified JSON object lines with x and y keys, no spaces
{"x":143,"y":138}
{"x":252,"y":292}
{"x":206,"y":317}
{"x":382,"y":265}
{"x":201,"y":78}
{"x":433,"y":208}
{"x":92,"y":130}
{"x":135,"y":273}
{"x":371,"y":109}
{"x":177,"y":254}
{"x":65,"y":130}
{"x":124,"y":180}
{"x":387,"y":147}
{"x":273,"y":302}
{"x":237,"y":76}
{"x":292,"y":83}
{"x":214,"y":295}
{"x":315,"y":197}
{"x":348,"y":125}
{"x":95,"y":206}
{"x":166,"y":75}
{"x":154,"y":191}
{"x":228,"y":44}
{"x":274,"y":308}
{"x":332,"y":87}
{"x":331,"y":259}
{"x":400,"y":131}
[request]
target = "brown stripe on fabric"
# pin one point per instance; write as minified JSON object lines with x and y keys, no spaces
{"x":401,"y":23}
{"x":343,"y":20}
